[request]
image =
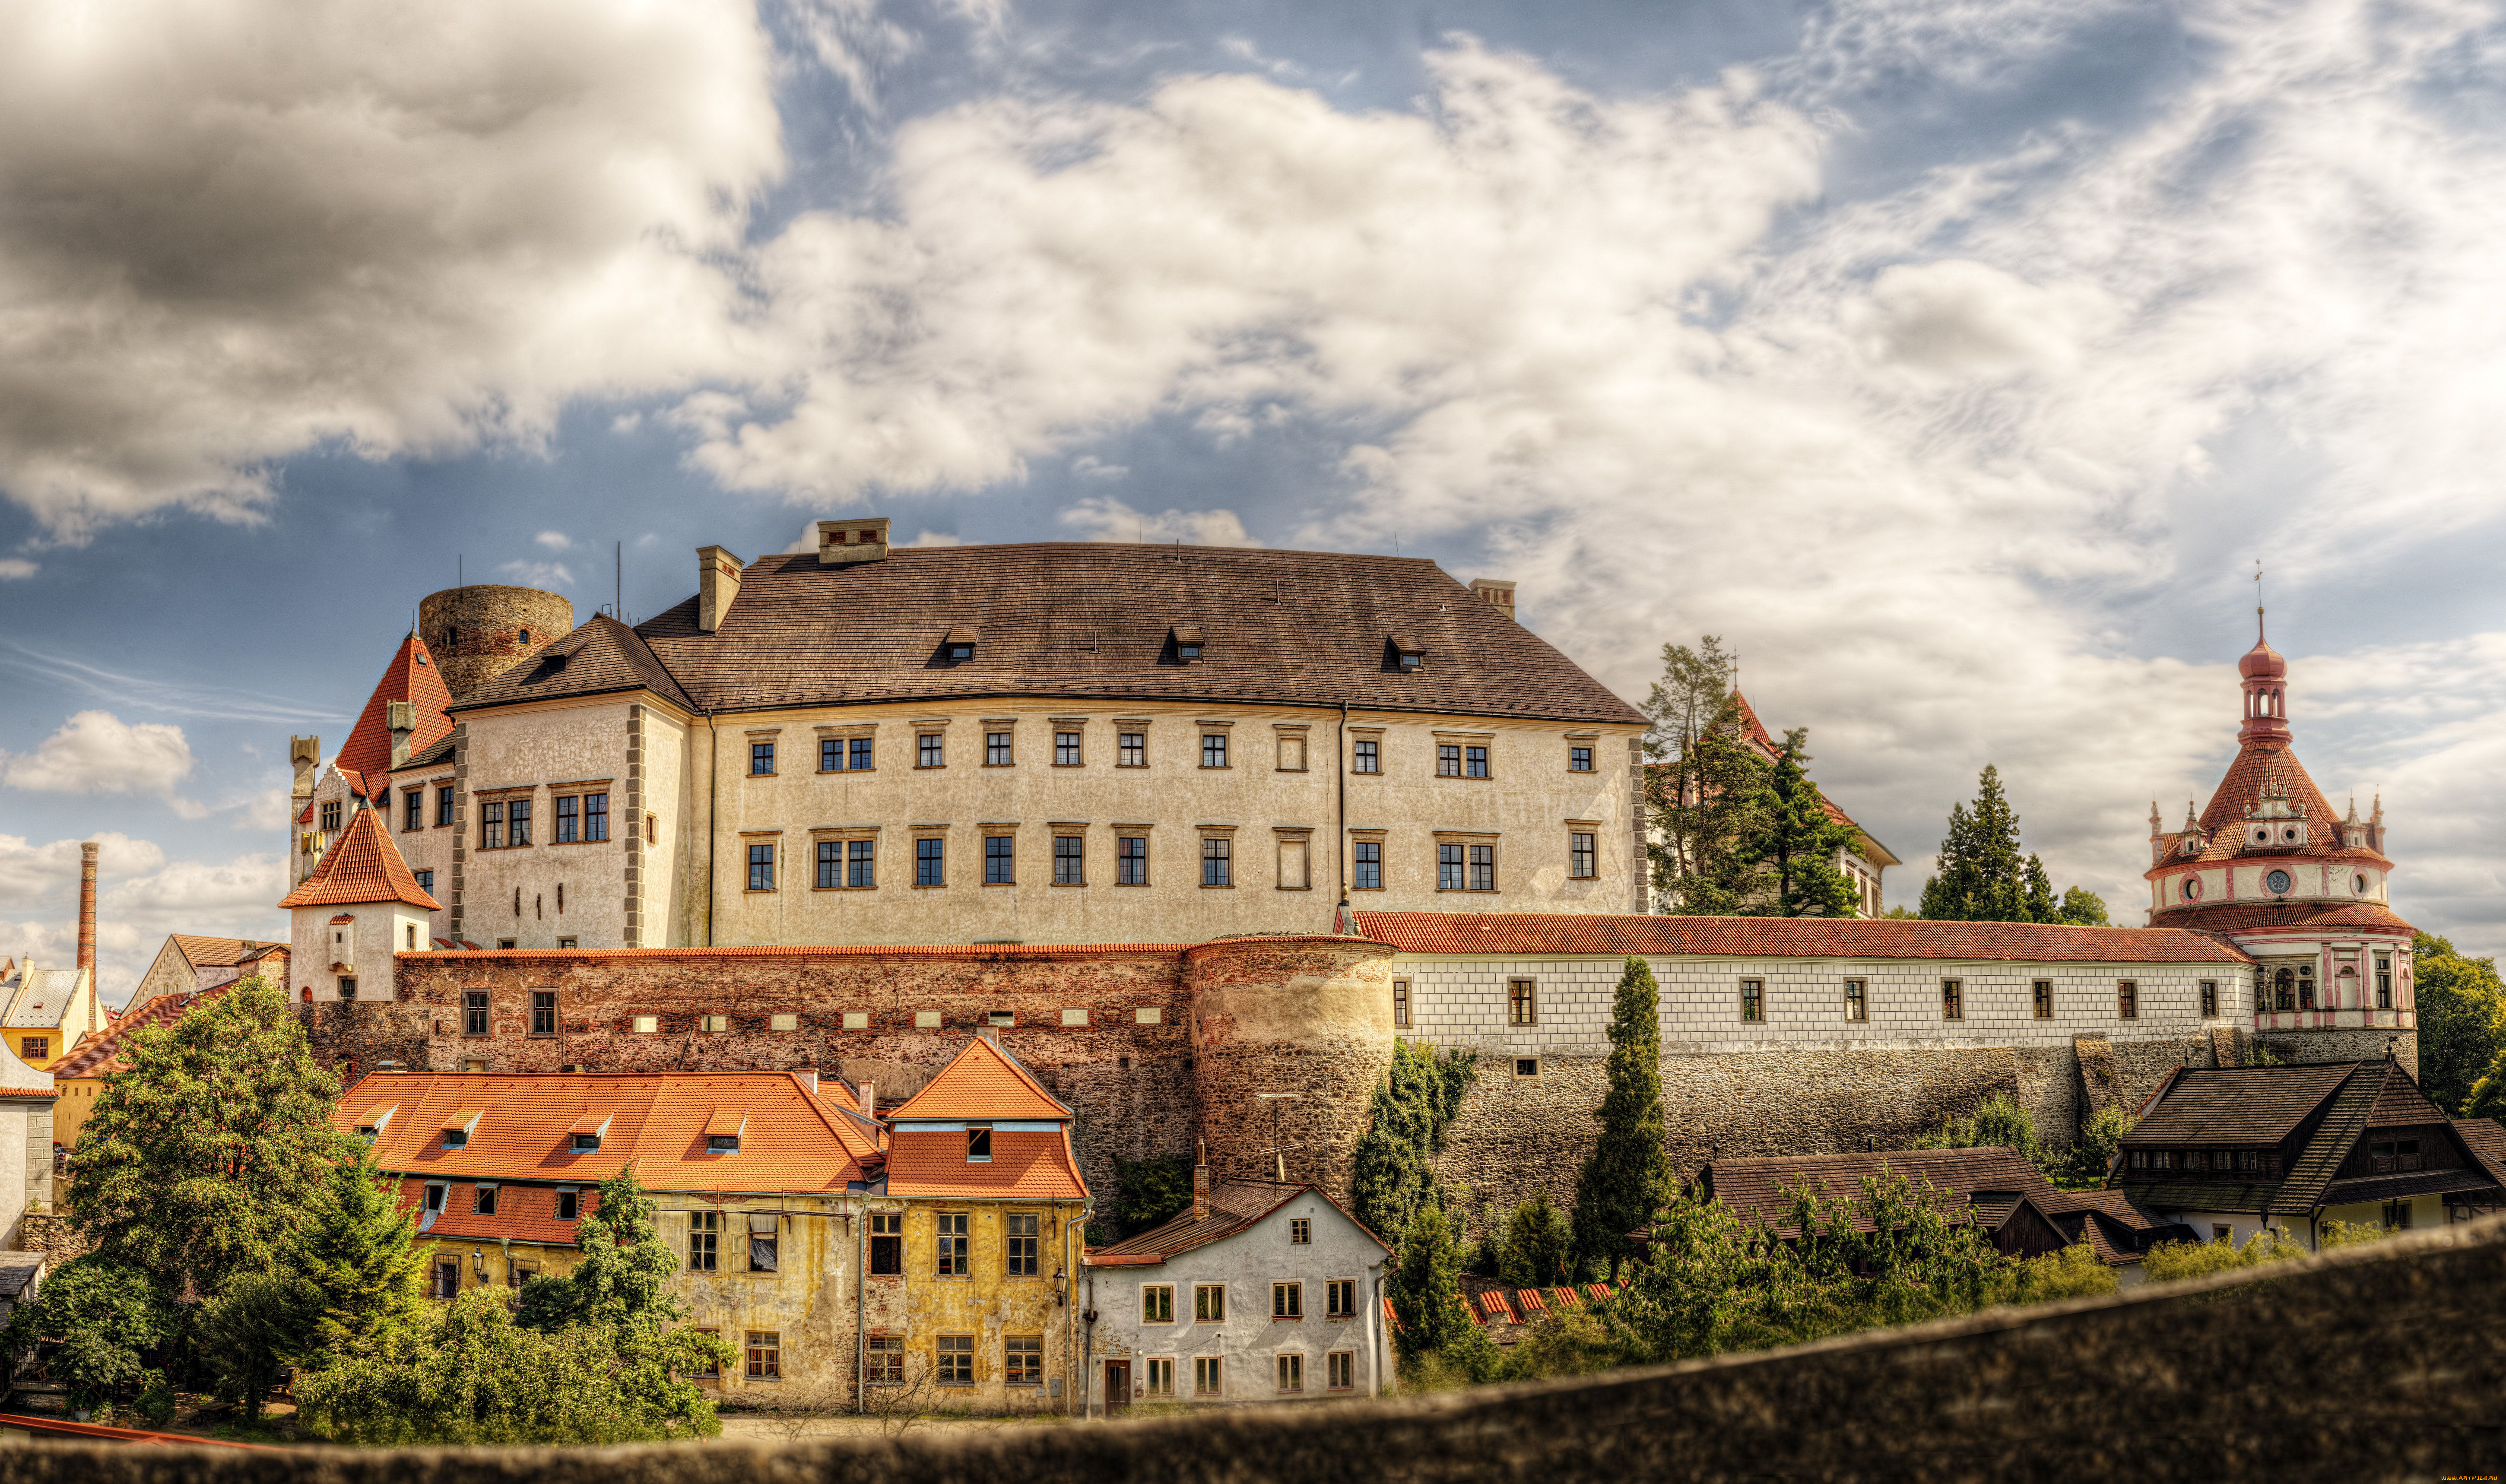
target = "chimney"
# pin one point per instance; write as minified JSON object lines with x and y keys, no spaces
{"x":843,"y":543}
{"x":808,"y":1076}
{"x":1495,"y":592}
{"x":717,"y":585}
{"x":307,"y":753}
{"x":1200,"y":1182}
{"x":400,"y":719}
{"x":870,"y":1100}
{"x":87,"y":910}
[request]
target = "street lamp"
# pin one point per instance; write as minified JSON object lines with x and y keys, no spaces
{"x":1060,"y":1288}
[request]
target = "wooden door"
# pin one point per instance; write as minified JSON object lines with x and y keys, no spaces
{"x":1118,"y":1385}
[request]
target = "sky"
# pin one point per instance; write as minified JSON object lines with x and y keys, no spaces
{"x":1955,"y":362}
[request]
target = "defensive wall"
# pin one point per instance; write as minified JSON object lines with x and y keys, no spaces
{"x":2372,"y":1362}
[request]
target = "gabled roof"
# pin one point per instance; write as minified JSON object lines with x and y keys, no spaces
{"x":363,"y":866}
{"x":2345,"y":1120}
{"x":1757,"y":1188}
{"x":1233,"y":1206}
{"x":601,"y":657}
{"x":789,"y":1145}
{"x":2236,"y":1107}
{"x":2485,"y":1142}
{"x":981,"y":1081}
{"x":220,"y":952}
{"x":438,"y":755}
{"x":1034,"y":1165}
{"x":100,"y":1055}
{"x":1777,"y":938}
{"x":43,"y":996}
{"x":411,"y":676}
{"x":1089,"y":620}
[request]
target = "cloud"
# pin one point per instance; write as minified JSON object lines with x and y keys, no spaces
{"x":34,"y":875}
{"x":16,"y":569}
{"x":394,"y":233}
{"x":95,"y":752}
{"x":144,"y":897}
{"x":555,"y":540}
{"x":538,"y":574}
{"x":1101,"y":517}
{"x":192,"y":699}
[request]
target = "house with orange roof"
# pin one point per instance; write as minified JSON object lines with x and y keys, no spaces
{"x":404,"y":726}
{"x":968,"y":1293}
{"x":758,"y":1178}
{"x":79,"y":1077}
{"x":360,"y":905}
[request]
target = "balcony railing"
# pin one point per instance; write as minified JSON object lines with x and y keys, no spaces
{"x":2398,"y":1164}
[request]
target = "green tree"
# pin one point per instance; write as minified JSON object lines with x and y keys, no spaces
{"x":361,"y":1257}
{"x":1706,"y":789}
{"x":2093,"y":1153}
{"x":624,"y":1280}
{"x":1797,"y":839}
{"x":1537,"y":1247}
{"x":1982,"y":877}
{"x":258,"y":1326}
{"x":115,"y":1323}
{"x":1147,"y":1192}
{"x":199,"y":1160}
{"x":1437,"y":1340}
{"x":1393,"y":1177}
{"x":2083,"y":909}
{"x":1626,"y":1177}
{"x":1995,"y":1122}
{"x":2461,"y":1020}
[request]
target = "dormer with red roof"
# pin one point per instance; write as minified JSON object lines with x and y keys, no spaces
{"x":983,"y":1128}
{"x":360,"y":906}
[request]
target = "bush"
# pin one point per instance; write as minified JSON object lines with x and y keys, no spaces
{"x":2073,"y":1272}
{"x":2093,"y":1153}
{"x":2169,"y":1262}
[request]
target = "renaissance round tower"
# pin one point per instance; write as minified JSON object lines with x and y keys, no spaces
{"x":478,"y":632}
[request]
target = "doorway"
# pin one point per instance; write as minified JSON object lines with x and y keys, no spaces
{"x":1118,"y":1385}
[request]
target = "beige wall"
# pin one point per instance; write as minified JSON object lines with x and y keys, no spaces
{"x":376,"y":931}
{"x":428,"y":847}
{"x":527,"y":753}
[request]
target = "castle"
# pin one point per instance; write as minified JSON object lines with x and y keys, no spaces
{"x":1106,"y":801}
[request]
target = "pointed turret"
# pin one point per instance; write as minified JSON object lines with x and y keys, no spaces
{"x":2265,"y":677}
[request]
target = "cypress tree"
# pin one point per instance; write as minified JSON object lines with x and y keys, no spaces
{"x":1432,"y":1322}
{"x":1798,"y":839}
{"x":361,"y":1254}
{"x":1626,"y":1177}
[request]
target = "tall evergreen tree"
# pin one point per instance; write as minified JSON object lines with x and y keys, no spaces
{"x":199,"y":1161}
{"x":1797,"y":840}
{"x":1984,"y":878}
{"x":361,"y":1256}
{"x":1432,"y":1322}
{"x":1626,"y":1177}
{"x":1538,"y":1247}
{"x":1393,"y":1179}
{"x":624,"y":1280}
{"x":1705,"y":792}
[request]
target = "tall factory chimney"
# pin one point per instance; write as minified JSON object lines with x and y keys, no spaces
{"x":87,"y":909}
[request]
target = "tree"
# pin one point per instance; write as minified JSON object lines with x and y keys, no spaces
{"x":198,"y":1161}
{"x":117,"y":1324}
{"x":1147,"y":1192}
{"x":624,"y":1280}
{"x":1393,"y":1179}
{"x":362,"y":1258}
{"x":1797,"y":840}
{"x":258,"y":1327}
{"x":1626,"y":1177}
{"x":1439,"y":1341}
{"x":2082,"y":907}
{"x":1537,"y":1247}
{"x":1704,"y":798}
{"x":2461,"y":1020}
{"x":1984,"y":878}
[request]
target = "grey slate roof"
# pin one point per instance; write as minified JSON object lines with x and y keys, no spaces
{"x":42,"y":998}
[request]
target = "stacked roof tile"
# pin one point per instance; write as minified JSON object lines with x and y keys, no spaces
{"x":362,"y":867}
{"x":928,"y":1155}
{"x":365,"y":756}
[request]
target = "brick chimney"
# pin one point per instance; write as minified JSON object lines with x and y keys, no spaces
{"x":869,"y":1101}
{"x":400,"y":719}
{"x":87,"y":909}
{"x":842,"y":543}
{"x":717,"y":585}
{"x":1200,"y":1182}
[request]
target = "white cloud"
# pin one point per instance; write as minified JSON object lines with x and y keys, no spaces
{"x":1102,"y":518}
{"x":143,"y":899}
{"x":16,"y":569}
{"x":397,"y":232}
{"x":95,"y":752}
{"x":36,"y":875}
{"x":555,"y":540}
{"x":538,"y":574}
{"x":933,"y":538}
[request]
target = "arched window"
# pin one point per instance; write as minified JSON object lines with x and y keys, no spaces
{"x":2284,"y":989}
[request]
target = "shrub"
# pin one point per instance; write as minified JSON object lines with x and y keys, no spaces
{"x":2169,"y":1262}
{"x":2101,"y":1136}
{"x":2075,"y":1271}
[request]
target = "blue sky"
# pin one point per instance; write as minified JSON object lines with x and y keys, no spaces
{"x":1955,"y":362}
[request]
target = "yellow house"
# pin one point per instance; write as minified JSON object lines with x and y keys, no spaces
{"x":49,"y":1011}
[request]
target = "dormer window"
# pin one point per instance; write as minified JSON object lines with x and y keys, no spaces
{"x":722,"y":1131}
{"x":1187,"y":644}
{"x":960,"y":644}
{"x":585,"y":1137}
{"x":457,"y":1138}
{"x":585,"y":1141}
{"x":979,"y":1143}
{"x":722,"y":1144}
{"x":1406,"y":652}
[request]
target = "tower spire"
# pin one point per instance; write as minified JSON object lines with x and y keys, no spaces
{"x":2266,"y":681}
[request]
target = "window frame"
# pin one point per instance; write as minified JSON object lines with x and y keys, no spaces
{"x":1366,"y":755}
{"x":1579,"y":759}
{"x":1217,"y":861}
{"x":1011,"y":1257}
{"x":1213,"y":750}
{"x":1857,"y":1000}
{"x":1290,"y":1365}
{"x":761,"y":865}
{"x":1209,"y":1376}
{"x":477,"y":1007}
{"x":705,"y":1240}
{"x":569,"y":820}
{"x":1400,"y":1003}
{"x":1209,"y":1303}
{"x":1954,"y":999}
{"x":1069,"y":851}
{"x":1069,"y":748}
{"x":760,"y":753}
{"x":1130,"y":866}
{"x":1000,"y":859}
{"x":1000,"y":748}
{"x":1287,"y":1300}
{"x":1132,"y":749}
{"x":447,"y":807}
{"x":930,"y":860}
{"x":888,"y":1261}
{"x":412,"y":809}
{"x":1300,"y":1231}
{"x":2126,"y":999}
{"x":1339,"y":1367}
{"x":1340,"y":1298}
{"x":1022,"y":1348}
{"x":1366,"y":866}
{"x":1157,"y":1304}
{"x":543,"y":1011}
{"x":2210,"y":998}
{"x":1583,"y":855}
{"x":1753,"y":1002}
{"x":1521,"y":1002}
{"x":884,"y":1351}
{"x":952,"y":1245}
{"x":930,"y":749}
{"x":955,"y":1354}
{"x":2040,"y":994}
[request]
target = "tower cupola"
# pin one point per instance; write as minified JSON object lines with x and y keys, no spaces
{"x":2265,"y":682}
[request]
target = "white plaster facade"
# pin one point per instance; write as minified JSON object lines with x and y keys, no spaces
{"x":331,"y":945}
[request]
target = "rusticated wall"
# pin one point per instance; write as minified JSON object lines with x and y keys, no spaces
{"x":1290,"y":1036}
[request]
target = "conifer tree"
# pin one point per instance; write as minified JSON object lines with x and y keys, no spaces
{"x":1626,"y":1177}
{"x":1432,"y":1322}
{"x":1984,"y":878}
{"x":1393,"y":1179}
{"x":1797,"y":840}
{"x":361,"y":1256}
{"x":1704,"y":795}
{"x":1537,"y":1245}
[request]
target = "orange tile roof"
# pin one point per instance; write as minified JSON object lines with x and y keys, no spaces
{"x":411,"y":676}
{"x":930,"y":1164}
{"x":100,"y":1055}
{"x":836,"y":950}
{"x":980,"y":1081}
{"x":790,"y":1146}
{"x":1779,"y":937}
{"x":524,"y":1213}
{"x":363,"y":866}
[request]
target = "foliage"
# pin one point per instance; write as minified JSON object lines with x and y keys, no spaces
{"x":1996,"y":1122}
{"x":1392,"y":1181}
{"x":2462,"y":1026}
{"x":2075,"y":1271}
{"x":254,"y":1331}
{"x":1537,"y":1247}
{"x":198,"y":1162}
{"x":1437,"y":1340}
{"x":2100,"y":1135}
{"x":1626,"y":1177}
{"x":115,"y":1322}
{"x":466,"y":1374}
{"x":1147,"y":1192}
{"x":1706,"y":798}
{"x":360,"y":1254}
{"x":1984,"y":878}
{"x":2082,"y":907}
{"x":1797,"y":839}
{"x":2171,"y":1260}
{"x":624,"y":1280}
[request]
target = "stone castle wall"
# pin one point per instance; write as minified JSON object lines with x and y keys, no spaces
{"x":477,"y":633}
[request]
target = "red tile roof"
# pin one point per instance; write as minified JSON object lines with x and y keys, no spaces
{"x":363,"y":866}
{"x":100,"y":1055}
{"x":524,"y":1213}
{"x":1777,"y":938}
{"x":981,"y":1081}
{"x":2280,"y":915}
{"x":791,"y":1146}
{"x":411,"y":676}
{"x":931,"y":1164}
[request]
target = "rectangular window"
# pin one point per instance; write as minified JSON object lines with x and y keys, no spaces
{"x":1022,"y":1359}
{"x":1341,"y":1367}
{"x":569,"y":1205}
{"x":543,"y":1012}
{"x":1023,"y":1246}
{"x":1157,"y":1304}
{"x":1521,"y":1002}
{"x":1213,"y":748}
{"x":1367,"y":756}
{"x":1287,"y":1300}
{"x":831,"y":754}
{"x":1069,"y":860}
{"x":950,"y":1256}
{"x":1952,"y":999}
{"x":1475,"y":763}
{"x":447,"y":1280}
{"x":1209,"y":1303}
{"x":705,"y":1240}
{"x":1000,"y":867}
{"x":491,"y":827}
{"x":764,"y":1243}
{"x":1132,"y":750}
{"x":930,"y":860}
{"x":1217,"y":866}
{"x":1291,"y":753}
{"x":2044,"y":996}
{"x":761,"y":759}
{"x":473,"y":1012}
{"x":1582,"y":859}
{"x":1483,"y":867}
{"x":1292,"y":1372}
{"x":978,"y":1139}
{"x":1301,"y":1232}
{"x":861,"y":754}
{"x":927,"y":750}
{"x":886,"y":1361}
{"x":435,"y":1193}
{"x":2126,"y":1000}
{"x":761,"y":867}
{"x":1341,"y":1297}
{"x":2383,"y":981}
{"x":426,"y":882}
{"x":596,"y":817}
{"x":1370,"y":867}
{"x":1160,"y":1377}
{"x":484,"y":1201}
{"x":330,"y":815}
{"x":518,"y":818}
{"x":1448,"y":867}
{"x":1857,"y":1000}
{"x":1579,"y":759}
{"x":1753,"y":999}
{"x":569,"y":820}
{"x":1132,"y":861}
{"x":412,"y":809}
{"x":1449,"y":760}
{"x":1401,"y":1002}
{"x":2209,"y":998}
{"x":443,"y":807}
{"x":830,"y":863}
{"x":956,"y":1360}
{"x":765,"y":1355}
{"x":888,"y":1244}
{"x":858,"y":871}
{"x":1204,"y":1375}
{"x":997,"y":749}
{"x":1066,"y":749}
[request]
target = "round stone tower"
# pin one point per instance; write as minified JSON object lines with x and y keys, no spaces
{"x":1290,"y":1036}
{"x":478,"y":632}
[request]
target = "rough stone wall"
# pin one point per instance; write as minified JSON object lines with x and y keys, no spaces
{"x":1307,"y":1021}
{"x":475,"y":632}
